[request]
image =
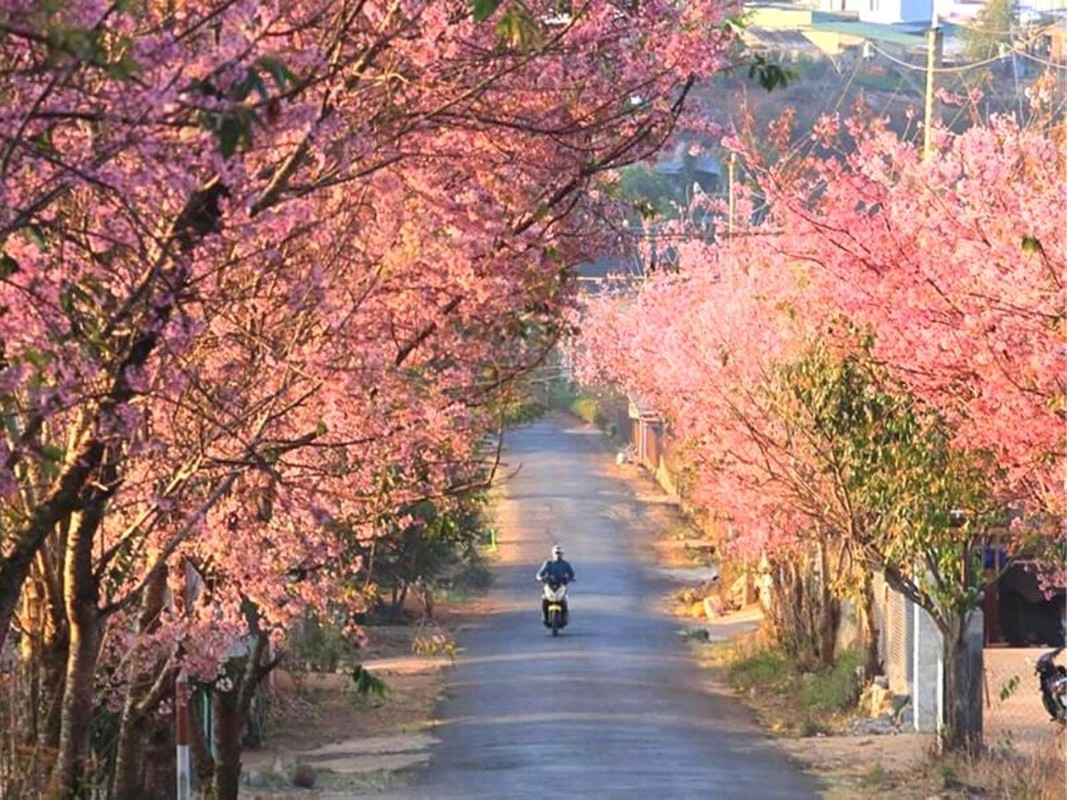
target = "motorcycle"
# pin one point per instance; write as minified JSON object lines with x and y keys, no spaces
{"x":1052,"y":678}
{"x":554,"y":594}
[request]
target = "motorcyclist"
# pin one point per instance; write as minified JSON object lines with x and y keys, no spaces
{"x":555,"y":570}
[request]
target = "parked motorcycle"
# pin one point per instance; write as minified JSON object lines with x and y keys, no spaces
{"x":554,"y":594}
{"x":1052,"y":678}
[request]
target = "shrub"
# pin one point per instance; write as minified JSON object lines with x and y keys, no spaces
{"x":833,"y":689}
{"x":802,"y":703}
{"x":585,"y":408}
{"x":760,"y":669}
{"x":320,"y":645}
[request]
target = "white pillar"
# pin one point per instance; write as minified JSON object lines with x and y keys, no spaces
{"x":181,"y":723}
{"x":916,"y":662}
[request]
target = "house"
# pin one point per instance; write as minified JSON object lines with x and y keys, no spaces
{"x":883,"y":12}
{"x":1055,"y":37}
{"x":831,"y":33}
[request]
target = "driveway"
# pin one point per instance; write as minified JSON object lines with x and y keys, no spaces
{"x":614,"y":707}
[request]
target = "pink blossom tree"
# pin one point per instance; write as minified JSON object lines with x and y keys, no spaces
{"x":883,"y":347}
{"x":255,"y":256}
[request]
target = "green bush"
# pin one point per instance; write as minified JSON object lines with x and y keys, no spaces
{"x":320,"y":646}
{"x":761,"y":670}
{"x":561,"y":394}
{"x":585,"y":408}
{"x":805,"y":703}
{"x":833,"y":689}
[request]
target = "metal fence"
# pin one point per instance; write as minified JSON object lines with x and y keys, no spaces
{"x":1014,"y":714}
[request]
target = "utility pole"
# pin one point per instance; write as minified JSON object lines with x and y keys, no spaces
{"x":730,"y":194}
{"x":933,"y":60}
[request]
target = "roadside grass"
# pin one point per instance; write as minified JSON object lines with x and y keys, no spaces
{"x":1002,"y":772}
{"x":789,"y":701}
{"x":820,"y":703}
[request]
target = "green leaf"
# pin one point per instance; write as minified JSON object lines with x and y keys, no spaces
{"x":519,"y":29}
{"x":282,"y":75}
{"x":365,"y":684}
{"x":235,"y":131}
{"x":8,"y":266}
{"x":36,"y":234}
{"x":37,"y":358}
{"x":124,"y":69}
{"x":770,"y":76}
{"x":1009,"y":688}
{"x":484,"y":9}
{"x":1031,"y":244}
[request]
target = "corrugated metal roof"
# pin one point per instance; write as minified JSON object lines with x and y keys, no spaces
{"x":906,"y":34}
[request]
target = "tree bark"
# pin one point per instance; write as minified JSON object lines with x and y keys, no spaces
{"x":141,"y":700}
{"x":872,"y":664}
{"x":962,"y":729}
{"x":81,"y":594}
{"x":231,"y":711}
{"x":69,"y":775}
{"x":828,"y":611}
{"x":228,"y":724}
{"x":804,"y":613}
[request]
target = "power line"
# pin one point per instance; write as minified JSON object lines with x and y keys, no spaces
{"x":1039,"y":60}
{"x":938,"y":70}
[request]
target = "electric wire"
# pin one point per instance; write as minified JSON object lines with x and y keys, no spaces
{"x":1044,"y":61}
{"x":938,"y":70}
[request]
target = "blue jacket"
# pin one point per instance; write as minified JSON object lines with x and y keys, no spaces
{"x":556,"y":571}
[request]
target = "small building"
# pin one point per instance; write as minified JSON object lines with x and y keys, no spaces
{"x":1055,"y":37}
{"x":646,"y":434}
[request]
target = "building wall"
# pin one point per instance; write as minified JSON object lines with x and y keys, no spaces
{"x":888,"y":12}
{"x":911,"y":671}
{"x":1058,"y":44}
{"x":776,"y":18}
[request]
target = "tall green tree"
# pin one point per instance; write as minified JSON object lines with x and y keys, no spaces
{"x":992,"y":30}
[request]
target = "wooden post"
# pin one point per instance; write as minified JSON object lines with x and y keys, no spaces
{"x":731,"y":205}
{"x":933,"y":59}
{"x":181,"y":722}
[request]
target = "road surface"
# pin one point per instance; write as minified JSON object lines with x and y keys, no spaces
{"x":612,"y":708}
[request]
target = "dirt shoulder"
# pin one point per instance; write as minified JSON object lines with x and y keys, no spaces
{"x":850,"y":763}
{"x":323,"y":740}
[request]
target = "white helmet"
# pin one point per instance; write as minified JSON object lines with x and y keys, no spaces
{"x":557,"y":552}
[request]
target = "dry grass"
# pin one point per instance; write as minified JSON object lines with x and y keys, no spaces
{"x":903,"y":766}
{"x":1002,"y":773}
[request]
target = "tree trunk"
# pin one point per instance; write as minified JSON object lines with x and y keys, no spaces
{"x":142,"y":697}
{"x":872,"y":664}
{"x":42,"y":665}
{"x":804,"y":614}
{"x":69,"y":776}
{"x":229,"y":724}
{"x":128,"y":783}
{"x":83,"y":618}
{"x":400,"y":596}
{"x":963,"y":688}
{"x":828,"y":612}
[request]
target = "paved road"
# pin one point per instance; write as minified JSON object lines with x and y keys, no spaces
{"x":614,"y":707}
